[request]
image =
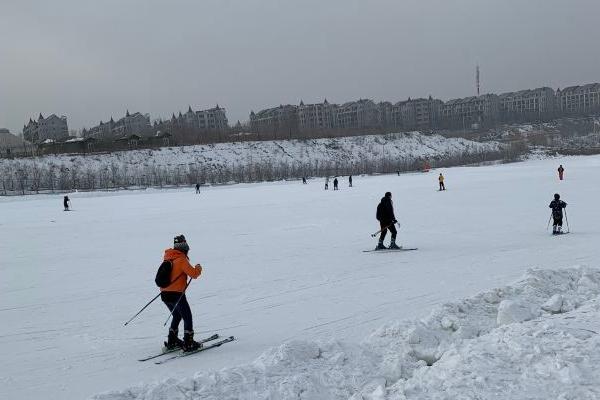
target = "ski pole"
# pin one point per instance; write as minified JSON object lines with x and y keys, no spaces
{"x":176,"y":304}
{"x":384,"y":228}
{"x":549,"y":219}
{"x":143,"y":308}
{"x":567,"y":221}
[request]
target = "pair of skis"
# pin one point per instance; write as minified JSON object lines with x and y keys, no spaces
{"x":390,"y":250}
{"x":178,"y":353}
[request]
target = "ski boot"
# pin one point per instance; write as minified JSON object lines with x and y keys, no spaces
{"x":173,"y":342}
{"x":189,"y":344}
{"x":559,"y":230}
{"x":380,"y":246}
{"x":393,"y":245}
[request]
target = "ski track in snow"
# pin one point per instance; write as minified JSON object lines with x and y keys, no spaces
{"x":283,"y":262}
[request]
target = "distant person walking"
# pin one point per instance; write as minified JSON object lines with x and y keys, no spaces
{"x":561,"y":172}
{"x":335,"y":184}
{"x":557,"y":206}
{"x":197,"y":188}
{"x":66,"y":203}
{"x":304,"y":180}
{"x":327,"y":183}
{"x":441,"y":181}
{"x":387,"y":219}
{"x":350,"y":181}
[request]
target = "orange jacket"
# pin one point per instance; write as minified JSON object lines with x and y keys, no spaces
{"x":181,"y":270}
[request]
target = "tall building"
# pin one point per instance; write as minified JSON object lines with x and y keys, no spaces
{"x":212,"y":120}
{"x":417,"y":114}
{"x":50,"y":128}
{"x":579,"y":99}
{"x":386,"y":119}
{"x":281,"y":122}
{"x":527,"y":105}
{"x":467,"y":112}
{"x":361,"y":114}
{"x":316,"y":117}
{"x":130,"y":124}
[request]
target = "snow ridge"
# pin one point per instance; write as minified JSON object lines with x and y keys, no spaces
{"x":405,"y":147}
{"x":539,"y":334}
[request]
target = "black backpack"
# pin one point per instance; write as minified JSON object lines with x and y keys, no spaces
{"x":163,"y":275}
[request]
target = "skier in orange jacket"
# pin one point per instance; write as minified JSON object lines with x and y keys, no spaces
{"x":174,"y":295}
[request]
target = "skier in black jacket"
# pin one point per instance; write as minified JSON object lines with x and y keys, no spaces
{"x":557,"y":214}
{"x":387,"y":219}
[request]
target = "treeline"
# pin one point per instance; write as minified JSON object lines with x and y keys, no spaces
{"x":21,"y":177}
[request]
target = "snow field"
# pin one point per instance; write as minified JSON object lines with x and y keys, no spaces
{"x":282,"y":264}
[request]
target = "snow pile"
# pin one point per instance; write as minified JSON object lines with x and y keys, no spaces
{"x":535,"y":339}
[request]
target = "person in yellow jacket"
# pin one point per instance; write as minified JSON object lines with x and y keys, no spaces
{"x":441,"y":181}
{"x":174,"y":295}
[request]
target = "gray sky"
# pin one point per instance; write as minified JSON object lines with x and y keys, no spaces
{"x":93,"y":59}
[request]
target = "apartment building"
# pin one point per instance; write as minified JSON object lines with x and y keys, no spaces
{"x":527,"y":105}
{"x":470,"y":112}
{"x":579,"y":99}
{"x":50,"y":128}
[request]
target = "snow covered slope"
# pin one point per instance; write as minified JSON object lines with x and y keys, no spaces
{"x":318,"y":156}
{"x":283,"y":263}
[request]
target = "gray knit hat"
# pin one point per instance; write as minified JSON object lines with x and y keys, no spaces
{"x":179,"y":243}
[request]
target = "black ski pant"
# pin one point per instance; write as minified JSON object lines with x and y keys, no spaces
{"x":442,"y":187}
{"x":181,"y":311}
{"x":384,"y":228}
{"x":557,"y":221}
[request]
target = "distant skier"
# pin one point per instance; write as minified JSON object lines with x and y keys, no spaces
{"x":350,"y":181}
{"x":557,"y":206}
{"x":66,"y":203}
{"x":327,"y":183}
{"x":441,"y":181}
{"x":197,"y":188}
{"x":335,"y":184}
{"x":387,"y":219}
{"x":561,"y":172}
{"x":174,"y":295}
{"x":304,"y":180}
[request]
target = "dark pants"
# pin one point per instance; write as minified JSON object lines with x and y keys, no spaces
{"x":557,"y":221}
{"x":384,"y":228}
{"x":182,"y":311}
{"x":442,"y":187}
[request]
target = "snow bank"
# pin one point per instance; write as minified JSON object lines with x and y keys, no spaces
{"x":535,"y":339}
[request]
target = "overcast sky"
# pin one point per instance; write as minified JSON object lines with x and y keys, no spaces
{"x":91,"y":60}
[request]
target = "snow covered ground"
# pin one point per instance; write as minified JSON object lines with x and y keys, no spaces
{"x":314,"y":316}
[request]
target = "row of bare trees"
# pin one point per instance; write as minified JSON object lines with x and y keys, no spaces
{"x":22,"y":177}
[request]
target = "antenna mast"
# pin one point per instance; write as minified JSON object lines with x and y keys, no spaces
{"x":477,"y":79}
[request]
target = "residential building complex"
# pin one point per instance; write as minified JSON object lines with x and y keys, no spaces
{"x":526,"y":105}
{"x":579,"y":99}
{"x":50,"y":128}
{"x":131,"y":124}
